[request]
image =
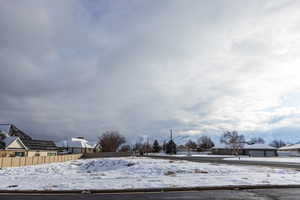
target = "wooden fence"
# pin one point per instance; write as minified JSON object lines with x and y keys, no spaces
{"x":37,"y":160}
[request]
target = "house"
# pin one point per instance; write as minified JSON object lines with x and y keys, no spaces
{"x":254,"y":150}
{"x":76,"y":145}
{"x":18,"y":143}
{"x":290,"y":150}
{"x":13,"y":146}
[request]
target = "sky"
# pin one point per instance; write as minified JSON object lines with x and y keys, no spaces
{"x":78,"y":68}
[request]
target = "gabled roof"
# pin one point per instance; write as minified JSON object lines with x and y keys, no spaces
{"x":12,"y":130}
{"x":10,"y":140}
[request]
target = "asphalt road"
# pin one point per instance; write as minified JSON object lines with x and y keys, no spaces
{"x":257,"y":194}
{"x":231,"y":162}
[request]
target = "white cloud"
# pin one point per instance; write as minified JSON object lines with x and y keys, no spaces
{"x":79,"y":68}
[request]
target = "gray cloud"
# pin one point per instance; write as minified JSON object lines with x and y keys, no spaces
{"x":78,"y":68}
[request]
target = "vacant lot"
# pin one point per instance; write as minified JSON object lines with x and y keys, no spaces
{"x":116,"y":173}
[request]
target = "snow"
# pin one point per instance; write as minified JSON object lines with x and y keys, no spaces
{"x":268,"y":159}
{"x":133,"y":172}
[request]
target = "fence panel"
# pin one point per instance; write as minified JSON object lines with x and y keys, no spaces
{"x":24,"y":161}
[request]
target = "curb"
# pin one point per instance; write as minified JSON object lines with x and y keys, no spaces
{"x":148,"y":190}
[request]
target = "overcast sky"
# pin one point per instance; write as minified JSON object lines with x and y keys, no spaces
{"x":78,"y":68}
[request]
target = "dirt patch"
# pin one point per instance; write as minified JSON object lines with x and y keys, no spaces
{"x":199,"y":171}
{"x":130,"y":164}
{"x":170,"y":173}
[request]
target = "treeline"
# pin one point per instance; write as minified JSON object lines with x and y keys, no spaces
{"x":112,"y":141}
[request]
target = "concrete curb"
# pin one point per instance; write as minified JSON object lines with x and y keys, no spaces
{"x":145,"y":190}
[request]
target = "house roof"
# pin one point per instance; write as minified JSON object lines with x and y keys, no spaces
{"x":39,"y":144}
{"x":11,"y":139}
{"x":258,"y":146}
{"x":290,"y":147}
{"x":12,"y":130}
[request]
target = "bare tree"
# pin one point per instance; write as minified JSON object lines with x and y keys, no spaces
{"x":233,"y":140}
{"x":205,"y":142}
{"x":137,"y":146}
{"x":147,"y":147}
{"x":277,"y":143}
{"x":110,"y":141}
{"x":191,"y":144}
{"x":256,"y":140}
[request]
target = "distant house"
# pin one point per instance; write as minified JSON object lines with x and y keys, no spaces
{"x":254,"y":150}
{"x":76,"y":145}
{"x":18,"y":143}
{"x":290,"y":150}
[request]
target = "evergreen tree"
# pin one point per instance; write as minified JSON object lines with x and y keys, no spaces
{"x":171,"y":147}
{"x":156,"y":147}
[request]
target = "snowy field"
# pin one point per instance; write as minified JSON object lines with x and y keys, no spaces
{"x":268,"y":159}
{"x":121,"y":173}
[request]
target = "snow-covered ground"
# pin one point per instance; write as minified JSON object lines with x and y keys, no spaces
{"x":121,"y":173}
{"x":268,"y":159}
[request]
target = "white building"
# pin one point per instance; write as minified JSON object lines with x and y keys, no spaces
{"x":76,"y":145}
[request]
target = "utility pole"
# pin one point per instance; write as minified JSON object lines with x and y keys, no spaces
{"x":147,"y":145}
{"x":171,"y":135}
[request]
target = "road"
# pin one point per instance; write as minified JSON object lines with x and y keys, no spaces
{"x":231,"y":162}
{"x":257,"y":194}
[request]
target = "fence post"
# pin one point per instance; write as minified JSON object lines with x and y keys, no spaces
{"x":1,"y":162}
{"x":25,"y":161}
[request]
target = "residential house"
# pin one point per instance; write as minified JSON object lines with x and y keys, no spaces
{"x":254,"y":150}
{"x":290,"y":150}
{"x":18,"y":143}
